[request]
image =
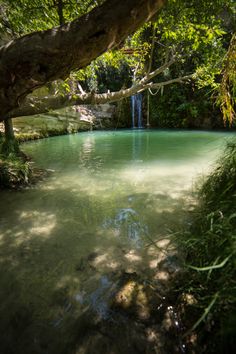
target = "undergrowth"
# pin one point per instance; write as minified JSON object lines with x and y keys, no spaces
{"x":14,"y":171}
{"x":209,"y":247}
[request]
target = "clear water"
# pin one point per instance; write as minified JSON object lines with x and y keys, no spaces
{"x":110,"y":197}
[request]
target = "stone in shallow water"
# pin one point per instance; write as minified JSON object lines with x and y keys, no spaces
{"x":136,"y":298}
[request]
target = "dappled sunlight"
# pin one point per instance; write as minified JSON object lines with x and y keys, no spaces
{"x":164,"y":243}
{"x":94,"y":241}
{"x":169,"y":180}
{"x":162,"y":275}
{"x":43,"y":225}
{"x":154,"y":262}
{"x":133,"y":257}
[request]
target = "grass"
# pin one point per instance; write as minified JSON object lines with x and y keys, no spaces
{"x":27,"y":136}
{"x":209,"y":247}
{"x":14,"y":171}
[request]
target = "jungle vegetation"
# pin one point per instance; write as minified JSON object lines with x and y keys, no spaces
{"x":183,"y":56}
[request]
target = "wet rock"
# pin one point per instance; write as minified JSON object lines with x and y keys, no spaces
{"x":138,"y":319}
{"x":170,"y":265}
{"x":136,"y":298}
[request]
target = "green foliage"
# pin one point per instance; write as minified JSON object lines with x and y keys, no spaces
{"x":113,"y":78}
{"x":183,"y":106}
{"x":219,"y":191}
{"x":26,"y":16}
{"x":194,"y":30}
{"x":227,"y":88}
{"x":210,"y":248}
{"x":9,"y":147}
{"x":14,"y":172}
{"x":198,"y":31}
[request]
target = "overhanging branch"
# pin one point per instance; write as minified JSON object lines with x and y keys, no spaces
{"x":33,"y":60}
{"x":34,"y":106}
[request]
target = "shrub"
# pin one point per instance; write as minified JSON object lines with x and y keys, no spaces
{"x":14,"y":172}
{"x":209,"y":248}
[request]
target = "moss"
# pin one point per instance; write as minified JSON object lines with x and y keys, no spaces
{"x":22,"y":137}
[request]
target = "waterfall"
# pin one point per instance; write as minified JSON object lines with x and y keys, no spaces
{"x":137,"y":120}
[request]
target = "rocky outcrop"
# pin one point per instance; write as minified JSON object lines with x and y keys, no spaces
{"x":65,"y":121}
{"x":98,"y":116}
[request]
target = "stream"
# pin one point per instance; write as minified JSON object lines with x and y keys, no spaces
{"x":78,"y":247}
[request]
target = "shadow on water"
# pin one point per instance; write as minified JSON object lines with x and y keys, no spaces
{"x":87,"y":260}
{"x":63,"y":291}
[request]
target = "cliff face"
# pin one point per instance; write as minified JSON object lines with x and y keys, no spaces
{"x":65,"y":121}
{"x":97,"y":117}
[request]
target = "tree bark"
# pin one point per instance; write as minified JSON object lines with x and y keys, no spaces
{"x":60,"y":12}
{"x":33,"y":60}
{"x":10,"y":144}
{"x":40,"y":105}
{"x":9,"y":132}
{"x":34,"y":106}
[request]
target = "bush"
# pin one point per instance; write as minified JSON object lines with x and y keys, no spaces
{"x":209,"y":248}
{"x":14,"y":172}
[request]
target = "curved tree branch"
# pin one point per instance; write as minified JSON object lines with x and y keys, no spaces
{"x":35,"y":105}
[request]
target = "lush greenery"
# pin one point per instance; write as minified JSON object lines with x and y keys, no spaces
{"x":182,"y":106}
{"x":15,"y":171}
{"x":209,"y":247}
{"x":227,"y":90}
{"x":198,"y":33}
{"x":201,"y":35}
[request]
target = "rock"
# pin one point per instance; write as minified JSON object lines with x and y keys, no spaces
{"x":64,"y":121}
{"x":136,"y":298}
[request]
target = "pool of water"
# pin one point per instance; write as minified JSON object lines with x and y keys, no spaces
{"x":112,"y":200}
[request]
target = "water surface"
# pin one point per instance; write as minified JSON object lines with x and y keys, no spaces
{"x":111,"y":197}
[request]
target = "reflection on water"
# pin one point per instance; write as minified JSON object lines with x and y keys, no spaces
{"x":127,"y":223}
{"x":107,"y":210}
{"x":98,"y":299}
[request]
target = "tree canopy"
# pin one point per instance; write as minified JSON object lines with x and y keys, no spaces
{"x":31,"y":61}
{"x":198,"y":33}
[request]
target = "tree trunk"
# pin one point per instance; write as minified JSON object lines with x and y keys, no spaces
{"x":10,"y":144}
{"x":9,"y":132}
{"x":60,"y":12}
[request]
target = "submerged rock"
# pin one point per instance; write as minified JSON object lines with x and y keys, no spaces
{"x":136,"y":298}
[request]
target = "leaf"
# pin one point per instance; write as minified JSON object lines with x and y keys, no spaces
{"x":205,"y":313}
{"x":216,"y":266}
{"x":232,"y":216}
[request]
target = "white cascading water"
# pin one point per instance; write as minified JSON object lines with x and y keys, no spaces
{"x":137,"y":119}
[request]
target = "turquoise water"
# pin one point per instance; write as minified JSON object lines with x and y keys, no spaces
{"x":110,"y":197}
